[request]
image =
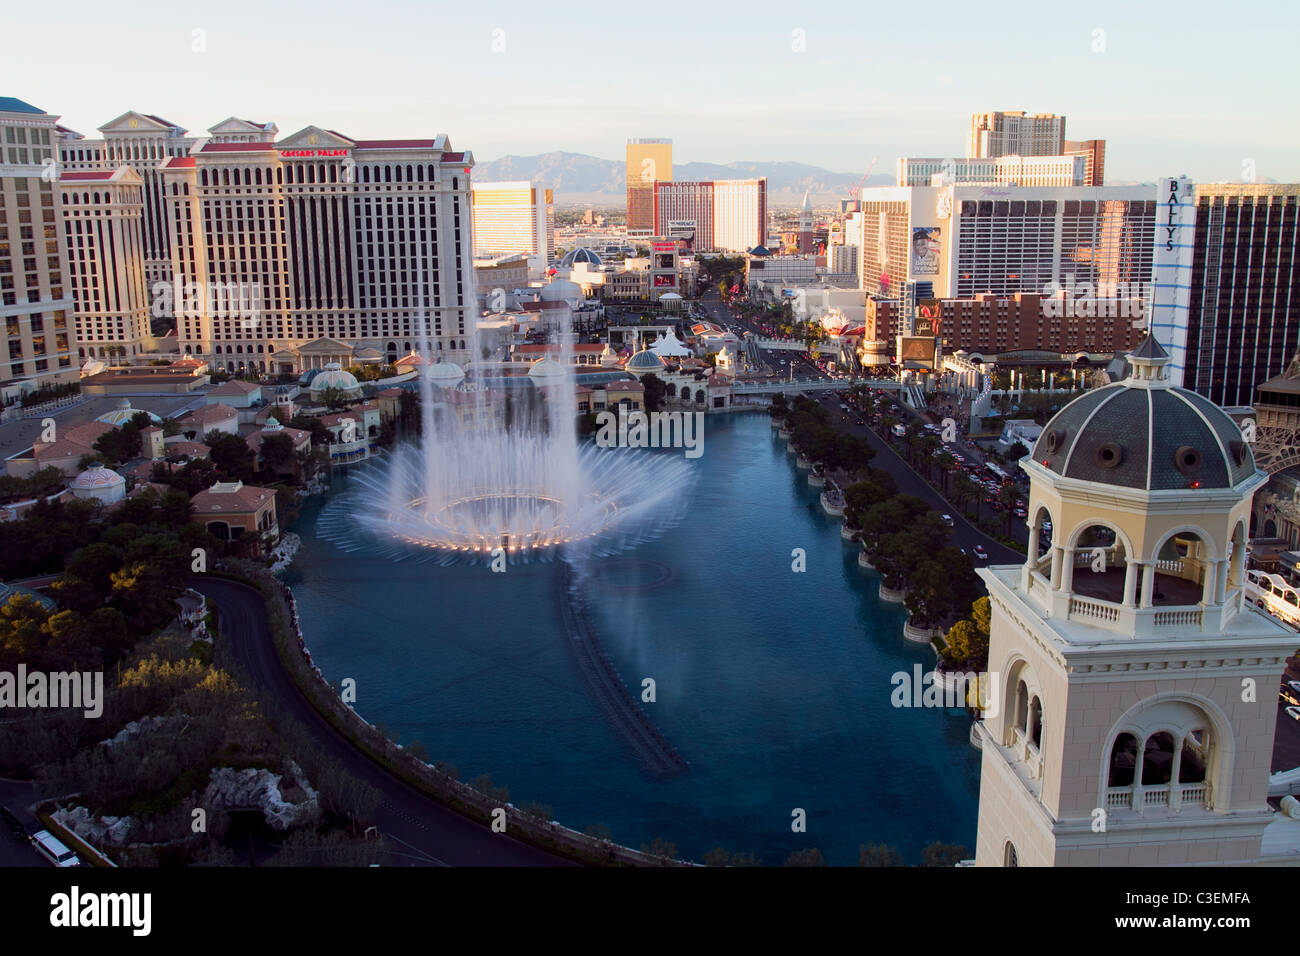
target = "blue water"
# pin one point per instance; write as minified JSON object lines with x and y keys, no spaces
{"x":775,"y":685}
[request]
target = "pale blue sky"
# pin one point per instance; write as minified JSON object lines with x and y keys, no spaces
{"x":1196,"y":88}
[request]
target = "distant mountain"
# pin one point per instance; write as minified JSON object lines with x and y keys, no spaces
{"x":579,"y":179}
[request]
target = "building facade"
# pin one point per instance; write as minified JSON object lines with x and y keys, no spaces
{"x":722,"y":215}
{"x":1018,"y":133}
{"x":648,"y":161}
{"x":320,"y":238}
{"x":103,"y":225}
{"x":515,"y":217}
{"x":143,"y":142}
{"x":1093,"y":152}
{"x":964,"y":239}
{"x":991,"y":324}
{"x":35,"y":298}
{"x":1243,"y":325}
{"x":1070,"y":170}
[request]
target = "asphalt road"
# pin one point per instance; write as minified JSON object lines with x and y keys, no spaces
{"x":964,"y":534}
{"x":14,"y":852}
{"x":422,"y":831}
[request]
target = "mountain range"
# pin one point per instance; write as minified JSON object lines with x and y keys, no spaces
{"x":579,"y":179}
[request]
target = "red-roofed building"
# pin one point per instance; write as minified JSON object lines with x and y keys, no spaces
{"x":232,"y":510}
{"x":210,"y":418}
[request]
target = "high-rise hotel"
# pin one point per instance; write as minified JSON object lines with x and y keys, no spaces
{"x":648,"y":161}
{"x":35,"y":298}
{"x":318,"y":246}
{"x":1244,"y":317}
{"x":728,"y":215}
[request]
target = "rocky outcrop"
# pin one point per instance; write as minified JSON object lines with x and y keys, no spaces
{"x":97,"y":831}
{"x":260,"y":789}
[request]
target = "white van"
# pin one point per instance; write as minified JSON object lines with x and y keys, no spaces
{"x":50,"y":847}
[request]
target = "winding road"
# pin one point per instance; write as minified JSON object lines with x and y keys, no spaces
{"x":422,"y":831}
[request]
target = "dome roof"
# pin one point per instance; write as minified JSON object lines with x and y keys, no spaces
{"x":97,"y":476}
{"x":580,"y":254}
{"x":123,"y":413}
{"x":646,"y":361}
{"x":446,"y":374}
{"x":1144,"y":433}
{"x":334,"y":375}
{"x":546,"y":370}
{"x":560,"y":290}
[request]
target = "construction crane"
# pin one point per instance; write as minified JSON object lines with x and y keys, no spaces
{"x":856,"y":192}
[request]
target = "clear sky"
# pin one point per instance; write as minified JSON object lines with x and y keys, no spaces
{"x":1197,"y":87}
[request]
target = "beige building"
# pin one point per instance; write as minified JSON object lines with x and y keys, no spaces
{"x":1132,"y":689}
{"x":515,"y":217}
{"x":648,"y":160}
{"x":103,"y":226}
{"x":35,"y":298}
{"x":1015,"y":133}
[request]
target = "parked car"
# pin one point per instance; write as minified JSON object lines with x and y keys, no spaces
{"x":53,"y":849}
{"x":981,"y":553}
{"x":1293,"y":712}
{"x":947,"y":519}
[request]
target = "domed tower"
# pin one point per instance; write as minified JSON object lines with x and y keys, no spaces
{"x":1131,"y":702}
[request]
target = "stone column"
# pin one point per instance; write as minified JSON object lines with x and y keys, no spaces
{"x":1057,"y":555}
{"x":1031,"y":554}
{"x":1148,"y":582}
{"x":1221,"y":589}
{"x":1131,"y":570}
{"x":1209,"y":585}
{"x":1067,"y":569}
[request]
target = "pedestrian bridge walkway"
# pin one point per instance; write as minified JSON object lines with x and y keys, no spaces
{"x":808,"y":385}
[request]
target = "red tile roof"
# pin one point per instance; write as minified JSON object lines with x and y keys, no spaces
{"x":86,"y":177}
{"x":237,"y":147}
{"x":396,"y":144}
{"x":453,"y":157}
{"x":179,"y":162}
{"x":243,"y":500}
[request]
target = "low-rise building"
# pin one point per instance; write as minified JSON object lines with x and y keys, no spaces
{"x":231,"y":510}
{"x":210,"y":418}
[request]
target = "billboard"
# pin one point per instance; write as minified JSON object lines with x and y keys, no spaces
{"x":925,"y":250}
{"x":916,"y":348}
{"x":682,"y":225}
{"x":929,"y":316}
{"x":665,"y":281}
{"x":665,"y":246}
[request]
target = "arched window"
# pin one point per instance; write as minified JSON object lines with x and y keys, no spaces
{"x":1036,"y":721}
{"x":1123,"y":761}
{"x":1022,"y":707}
{"x":1009,"y":856}
{"x":699,"y":397}
{"x":1158,"y":759}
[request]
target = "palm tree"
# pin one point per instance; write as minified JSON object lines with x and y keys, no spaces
{"x":1007,"y":497}
{"x":946,"y":464}
{"x":967,"y":489}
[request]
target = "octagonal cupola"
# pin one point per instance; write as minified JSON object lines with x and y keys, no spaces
{"x":1138,"y":508}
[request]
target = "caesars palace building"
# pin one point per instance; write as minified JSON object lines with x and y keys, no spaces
{"x":317,"y":247}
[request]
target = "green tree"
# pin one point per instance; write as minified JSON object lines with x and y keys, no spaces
{"x":878,"y":854}
{"x":811,"y":857}
{"x":655,"y":390}
{"x":231,"y":455}
{"x":278,"y":456}
{"x":943,"y":854}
